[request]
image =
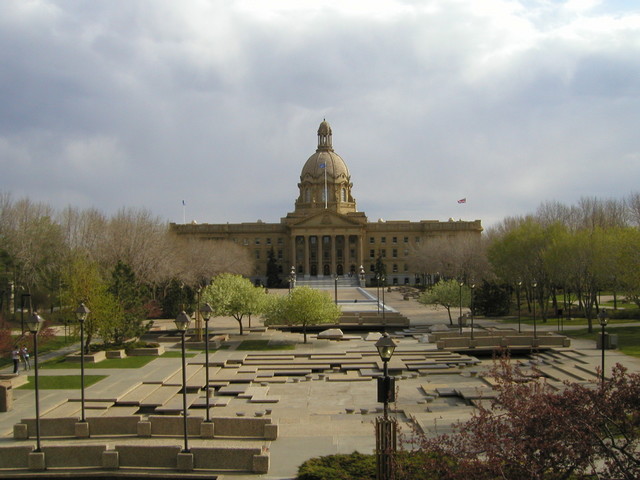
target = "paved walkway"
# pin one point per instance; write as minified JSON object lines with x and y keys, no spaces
{"x":319,"y":415}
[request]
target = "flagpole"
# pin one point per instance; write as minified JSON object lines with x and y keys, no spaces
{"x":184,"y":213}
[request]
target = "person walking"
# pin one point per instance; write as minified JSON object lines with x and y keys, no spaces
{"x":24,"y":353}
{"x":15,"y":356}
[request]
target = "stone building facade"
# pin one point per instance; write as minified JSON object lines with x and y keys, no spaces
{"x":326,"y":235}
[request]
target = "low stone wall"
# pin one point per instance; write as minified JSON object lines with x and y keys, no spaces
{"x":155,"y":425}
{"x":139,"y":352}
{"x":456,"y":342}
{"x":122,"y":457}
{"x":94,"y":357}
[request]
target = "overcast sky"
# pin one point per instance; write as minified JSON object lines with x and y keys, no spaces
{"x":144,"y":104}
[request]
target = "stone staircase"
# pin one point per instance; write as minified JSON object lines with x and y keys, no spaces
{"x":328,"y":282}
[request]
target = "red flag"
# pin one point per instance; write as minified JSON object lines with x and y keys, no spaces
{"x":462,"y":200}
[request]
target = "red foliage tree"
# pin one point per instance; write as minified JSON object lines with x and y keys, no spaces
{"x":532,"y":431}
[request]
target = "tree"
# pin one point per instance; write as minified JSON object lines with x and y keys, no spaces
{"x":234,"y":296}
{"x":131,"y":297}
{"x":448,"y":294}
{"x":273,"y":276}
{"x":82,"y":283}
{"x":303,"y":306}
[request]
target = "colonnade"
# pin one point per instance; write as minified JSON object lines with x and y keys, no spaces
{"x":326,"y":254}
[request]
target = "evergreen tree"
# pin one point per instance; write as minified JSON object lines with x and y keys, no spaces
{"x":273,"y":277}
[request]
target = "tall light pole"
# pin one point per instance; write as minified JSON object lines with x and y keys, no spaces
{"x":461,"y":284}
{"x":378,"y":291}
{"x":82,"y":312}
{"x":33,"y":324}
{"x":472,"y":287}
{"x":518,"y":285}
{"x":362,"y":276}
{"x":535,"y":331}
{"x":602,"y":317}
{"x":385,"y":431}
{"x":384,"y":308}
{"x":335,"y":279}
{"x":182,"y":324}
{"x":206,"y":312}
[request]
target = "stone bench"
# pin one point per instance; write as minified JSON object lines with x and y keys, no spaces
{"x":245,"y":427}
{"x":230,"y":459}
{"x":109,"y":426}
{"x":49,"y":427}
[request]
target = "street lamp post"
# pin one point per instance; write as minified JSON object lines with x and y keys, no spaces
{"x":206,"y":312}
{"x":472,"y":287}
{"x":461,"y":284}
{"x":384,"y":308}
{"x":535,"y":330}
{"x":82,"y":312}
{"x":518,"y":285}
{"x":362,"y":276}
{"x":602,"y":317}
{"x":378,"y":291}
{"x":335,"y":279}
{"x":33,"y":324}
{"x":385,"y":431}
{"x":182,"y":324}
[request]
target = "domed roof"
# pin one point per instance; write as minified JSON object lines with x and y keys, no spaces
{"x":316,"y":164}
{"x":325,"y":158}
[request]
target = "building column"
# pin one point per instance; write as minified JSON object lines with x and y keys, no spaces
{"x":294,"y":249}
{"x":334,"y":264}
{"x":307,"y":268}
{"x":320,"y":256}
{"x":359,"y":253}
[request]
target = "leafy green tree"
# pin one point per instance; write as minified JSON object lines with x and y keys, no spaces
{"x":131,"y":297}
{"x":491,"y":299}
{"x":177,"y":297}
{"x":233,"y":296}
{"x":448,"y":294}
{"x":83,"y":284}
{"x":273,"y":276}
{"x":303,"y":306}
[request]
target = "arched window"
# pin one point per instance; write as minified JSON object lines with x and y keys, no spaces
{"x":344,"y":194}
{"x":307,"y":195}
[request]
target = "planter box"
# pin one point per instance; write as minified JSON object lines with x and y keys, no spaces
{"x":94,"y":357}
{"x":138,"y":352}
{"x":116,"y":353}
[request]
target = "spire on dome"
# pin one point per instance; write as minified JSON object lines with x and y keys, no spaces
{"x":324,"y":137}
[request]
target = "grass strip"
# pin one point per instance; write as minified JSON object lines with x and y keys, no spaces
{"x":628,"y":337}
{"x":61,"y":382}
{"x":127,"y":362}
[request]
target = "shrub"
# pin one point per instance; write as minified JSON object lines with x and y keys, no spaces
{"x":355,"y":466}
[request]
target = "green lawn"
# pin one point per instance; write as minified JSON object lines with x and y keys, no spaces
{"x":127,"y":362}
{"x":264,"y":345}
{"x":61,"y":382}
{"x":628,"y":338}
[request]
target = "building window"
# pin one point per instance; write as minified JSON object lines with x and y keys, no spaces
{"x":279,"y":254}
{"x":406,"y":252}
{"x":406,"y":280}
{"x":372,"y":253}
{"x":406,"y":267}
{"x":372,"y":240}
{"x":394,"y":253}
{"x":245,"y":241}
{"x":280,"y":241}
{"x":383,"y":252}
{"x":344,"y":194}
{"x":395,"y":240}
{"x":395,"y":281}
{"x":307,"y":195}
{"x":268,"y":241}
{"x":257,"y":241}
{"x":383,"y":240}
{"x":395,"y":268}
{"x":406,"y":239}
{"x":257,"y":254}
{"x":372,"y":268}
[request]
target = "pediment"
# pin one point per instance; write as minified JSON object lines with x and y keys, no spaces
{"x":326,"y":219}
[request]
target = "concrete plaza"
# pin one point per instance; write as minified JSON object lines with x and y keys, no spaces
{"x":316,"y":413}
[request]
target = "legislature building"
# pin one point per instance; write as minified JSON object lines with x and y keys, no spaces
{"x":326,"y":235}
